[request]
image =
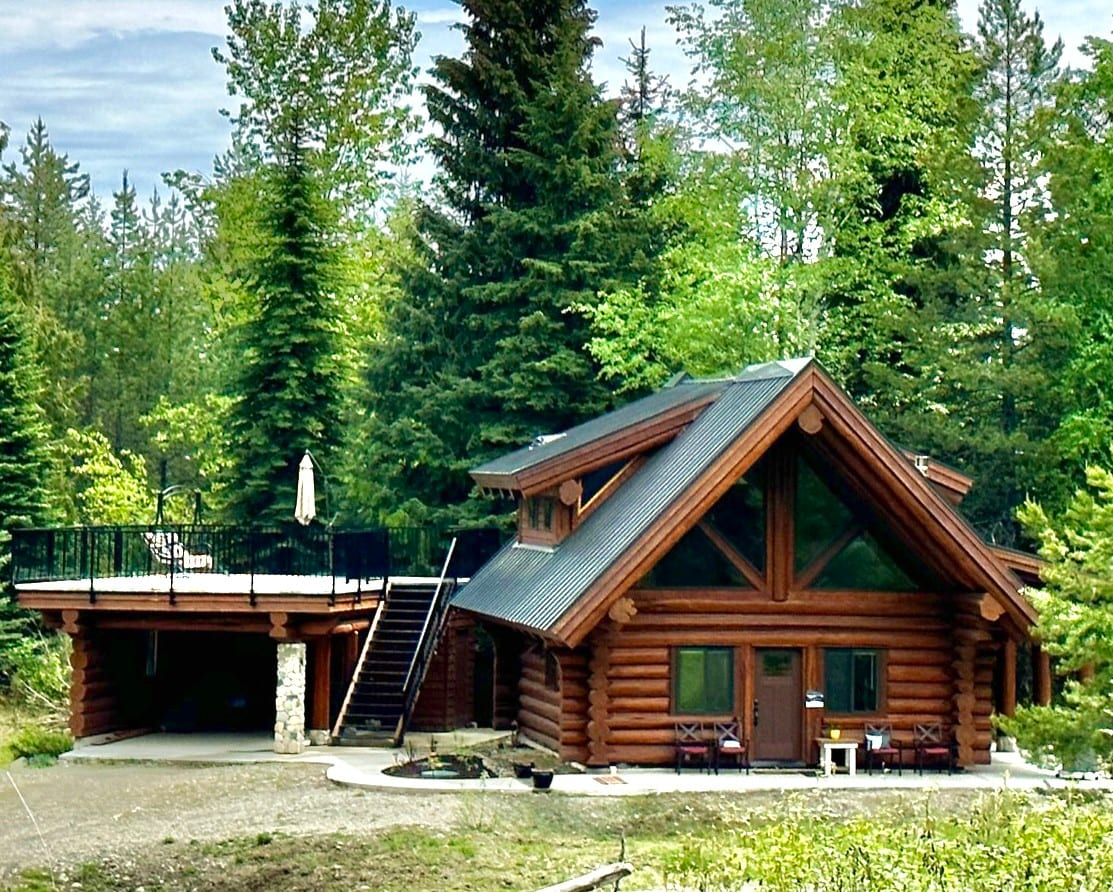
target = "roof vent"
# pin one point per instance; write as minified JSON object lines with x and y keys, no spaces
{"x":922,"y":463}
{"x":544,"y":440}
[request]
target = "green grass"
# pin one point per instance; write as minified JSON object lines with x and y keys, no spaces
{"x":818,"y":841}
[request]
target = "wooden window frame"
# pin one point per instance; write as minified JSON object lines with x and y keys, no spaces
{"x":881,"y":656}
{"x":674,"y":679}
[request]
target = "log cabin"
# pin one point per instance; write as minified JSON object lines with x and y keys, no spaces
{"x":724,"y":547}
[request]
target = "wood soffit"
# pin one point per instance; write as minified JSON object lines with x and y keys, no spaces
{"x":919,"y":512}
{"x":621,"y":444}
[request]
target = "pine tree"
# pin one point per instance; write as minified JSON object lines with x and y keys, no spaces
{"x":323,"y":106}
{"x":289,"y":382}
{"x":23,"y":455}
{"x":53,"y":241}
{"x":486,"y":350}
{"x":23,"y":431}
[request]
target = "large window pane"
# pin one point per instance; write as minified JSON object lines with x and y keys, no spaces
{"x":865,"y":564}
{"x":740,"y":516}
{"x":695,"y":562}
{"x":703,"y":680}
{"x":820,"y":515}
{"x":851,"y":680}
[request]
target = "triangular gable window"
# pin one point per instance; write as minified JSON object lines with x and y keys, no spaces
{"x":821,"y":517}
{"x":695,"y":562}
{"x":839,"y":544}
{"x":739,"y":518}
{"x":865,"y":564}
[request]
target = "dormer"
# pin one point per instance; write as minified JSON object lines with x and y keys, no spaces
{"x":559,"y":479}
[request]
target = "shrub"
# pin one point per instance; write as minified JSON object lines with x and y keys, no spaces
{"x":37,"y":667}
{"x":33,"y":740}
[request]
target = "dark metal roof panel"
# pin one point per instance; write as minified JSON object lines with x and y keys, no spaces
{"x":544,"y":449}
{"x":534,"y":587}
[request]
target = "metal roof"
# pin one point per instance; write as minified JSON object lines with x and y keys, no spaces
{"x":534,"y":586}
{"x":545,"y":448}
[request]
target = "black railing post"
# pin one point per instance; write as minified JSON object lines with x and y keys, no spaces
{"x":91,"y":552}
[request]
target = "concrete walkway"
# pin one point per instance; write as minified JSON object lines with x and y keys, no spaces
{"x":364,"y":767}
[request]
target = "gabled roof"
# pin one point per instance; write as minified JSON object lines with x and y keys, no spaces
{"x":564,"y":591}
{"x":636,"y":426}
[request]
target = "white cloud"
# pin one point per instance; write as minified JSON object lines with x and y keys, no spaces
{"x":444,"y":16}
{"x":65,"y":24}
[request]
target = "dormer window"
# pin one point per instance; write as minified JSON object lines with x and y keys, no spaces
{"x":541,"y":509}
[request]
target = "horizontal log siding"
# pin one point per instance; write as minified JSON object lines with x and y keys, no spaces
{"x":539,"y":707}
{"x":913,"y":630}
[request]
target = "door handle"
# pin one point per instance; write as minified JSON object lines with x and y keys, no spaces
{"x":757,"y":713}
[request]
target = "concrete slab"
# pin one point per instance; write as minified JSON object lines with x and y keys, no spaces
{"x":364,"y":767}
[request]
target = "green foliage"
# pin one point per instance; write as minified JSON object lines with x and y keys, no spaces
{"x":485,"y":350}
{"x":289,"y":383}
{"x":101,"y":487}
{"x":33,"y":740}
{"x":1003,"y":842}
{"x":334,"y":75}
{"x":35,"y":666}
{"x":24,"y":461}
{"x":196,"y":434}
{"x":1075,"y":626}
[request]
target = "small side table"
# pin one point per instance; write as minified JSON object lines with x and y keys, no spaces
{"x":827,"y":747}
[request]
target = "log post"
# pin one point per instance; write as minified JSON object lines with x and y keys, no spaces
{"x":320,"y":676}
{"x":598,"y":711}
{"x":1008,"y":678}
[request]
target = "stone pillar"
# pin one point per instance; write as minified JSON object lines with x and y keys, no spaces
{"x":289,"y":699}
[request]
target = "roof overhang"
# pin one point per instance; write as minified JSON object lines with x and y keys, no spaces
{"x":609,"y":448}
{"x":925,"y":516}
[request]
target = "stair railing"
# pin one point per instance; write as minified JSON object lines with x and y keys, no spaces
{"x":426,"y":646}
{"x":367,"y":644}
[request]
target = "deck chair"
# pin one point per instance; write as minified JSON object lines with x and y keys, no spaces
{"x":167,"y":548}
{"x":882,"y":749}
{"x":730,"y":745}
{"x":692,"y":746}
{"x":932,"y":745}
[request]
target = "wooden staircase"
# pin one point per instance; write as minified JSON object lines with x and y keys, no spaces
{"x":392,"y":665}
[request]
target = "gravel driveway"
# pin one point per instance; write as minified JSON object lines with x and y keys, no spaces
{"x":92,"y":811}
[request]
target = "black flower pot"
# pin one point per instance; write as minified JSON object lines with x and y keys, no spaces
{"x":523,"y":770}
{"x":542,"y":780}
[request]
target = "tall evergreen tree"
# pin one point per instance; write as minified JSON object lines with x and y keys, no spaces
{"x":487,"y":348}
{"x":288,"y":383}
{"x":24,"y":457}
{"x":56,"y":249}
{"x":323,"y":105}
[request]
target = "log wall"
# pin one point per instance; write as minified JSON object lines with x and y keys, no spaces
{"x":447,"y":698}
{"x":109,"y":690}
{"x":615,"y":699}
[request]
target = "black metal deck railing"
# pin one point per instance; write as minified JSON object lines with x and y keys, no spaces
{"x":100,"y":552}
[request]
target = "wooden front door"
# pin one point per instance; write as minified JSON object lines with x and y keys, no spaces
{"x":778,"y":707}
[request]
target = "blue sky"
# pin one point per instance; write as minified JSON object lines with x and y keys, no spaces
{"x":132,"y":84}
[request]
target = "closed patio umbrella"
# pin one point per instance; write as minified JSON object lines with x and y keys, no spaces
{"x":306,"y":507}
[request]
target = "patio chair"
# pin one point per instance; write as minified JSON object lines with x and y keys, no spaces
{"x":933,"y":745}
{"x":882,"y":749}
{"x":167,"y":548}
{"x":692,"y":746}
{"x":729,"y":744}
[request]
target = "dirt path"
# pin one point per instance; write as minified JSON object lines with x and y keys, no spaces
{"x":93,"y":811}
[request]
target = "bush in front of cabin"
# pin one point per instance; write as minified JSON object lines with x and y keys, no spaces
{"x":38,"y":744}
